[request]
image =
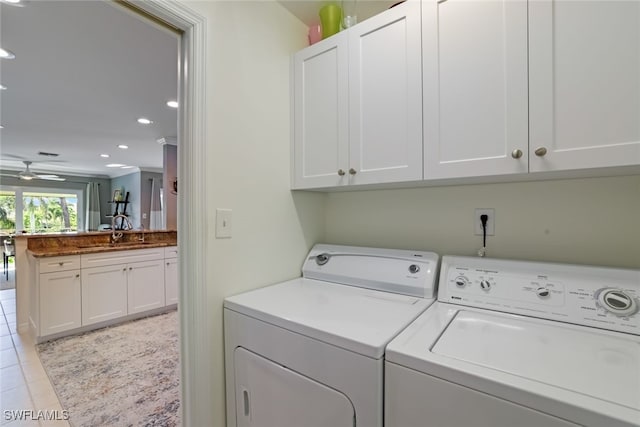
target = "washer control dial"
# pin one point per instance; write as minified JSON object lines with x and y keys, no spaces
{"x":461,"y":281}
{"x":485,"y":285}
{"x":617,"y":301}
{"x":542,"y":292}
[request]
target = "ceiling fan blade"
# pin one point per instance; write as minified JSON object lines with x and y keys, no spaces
{"x":13,"y":157}
{"x":51,"y":178}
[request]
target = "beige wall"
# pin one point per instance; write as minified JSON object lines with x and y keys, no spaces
{"x":584,"y":221}
{"x":248,"y":135}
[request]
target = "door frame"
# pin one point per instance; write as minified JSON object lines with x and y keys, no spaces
{"x":195,"y":340}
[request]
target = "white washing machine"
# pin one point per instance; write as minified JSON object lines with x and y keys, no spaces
{"x":309,"y":352}
{"x":520,"y":344}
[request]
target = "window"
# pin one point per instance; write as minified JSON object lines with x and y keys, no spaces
{"x":7,"y":212}
{"x":46,"y":212}
{"x":40,"y":210}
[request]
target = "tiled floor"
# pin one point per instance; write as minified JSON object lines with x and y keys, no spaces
{"x":24,"y":385}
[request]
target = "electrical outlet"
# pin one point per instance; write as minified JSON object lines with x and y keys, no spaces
{"x":491,"y":221}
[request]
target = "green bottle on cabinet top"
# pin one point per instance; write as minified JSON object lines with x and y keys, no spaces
{"x":330,"y":18}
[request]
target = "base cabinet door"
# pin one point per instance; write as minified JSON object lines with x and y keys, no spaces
{"x":584,"y":84}
{"x":60,"y":303}
{"x":145,"y":286}
{"x":171,"y":289}
{"x":104,"y":293}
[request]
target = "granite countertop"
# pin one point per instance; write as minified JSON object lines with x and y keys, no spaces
{"x":88,"y":243}
{"x":82,"y":249}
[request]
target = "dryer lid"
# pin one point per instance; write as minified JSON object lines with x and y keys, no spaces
{"x":597,"y":363}
{"x":357,"y":319}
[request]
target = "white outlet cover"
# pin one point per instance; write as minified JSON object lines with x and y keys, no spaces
{"x":491,"y":224}
{"x":223,"y":223}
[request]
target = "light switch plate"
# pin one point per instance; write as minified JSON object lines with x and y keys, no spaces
{"x":223,"y":223}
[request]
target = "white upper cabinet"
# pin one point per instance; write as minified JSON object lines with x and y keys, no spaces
{"x":320,"y":114}
{"x":475,"y":88}
{"x":584,"y":73}
{"x":357,"y":104}
{"x":385,"y":102}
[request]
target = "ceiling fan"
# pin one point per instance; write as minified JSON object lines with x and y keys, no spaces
{"x":28,"y":174}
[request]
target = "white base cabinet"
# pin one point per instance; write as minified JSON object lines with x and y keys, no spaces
{"x":171,"y":280}
{"x":145,"y":286}
{"x":81,"y":292}
{"x":60,"y":303}
{"x":104,"y":293}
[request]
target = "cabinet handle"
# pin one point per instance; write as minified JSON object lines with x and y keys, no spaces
{"x":61,"y":264}
{"x":516,"y":154}
{"x":340,"y":172}
{"x":124,"y":269}
{"x":130,"y":268}
{"x":352,"y":171}
{"x":540,"y":151}
{"x":167,"y":263}
{"x":77,"y":275}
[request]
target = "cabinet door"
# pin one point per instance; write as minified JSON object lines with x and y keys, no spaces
{"x":584,"y":64}
{"x":475,"y":88}
{"x":104,"y":293}
{"x":171,"y":283}
{"x":385,"y":97}
{"x":60,"y":302}
{"x":145,"y":286}
{"x":320,"y":102}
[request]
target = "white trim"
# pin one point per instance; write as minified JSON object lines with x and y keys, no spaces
{"x":196,"y":341}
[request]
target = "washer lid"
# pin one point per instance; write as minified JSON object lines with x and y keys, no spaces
{"x":357,"y":319}
{"x":584,"y":360}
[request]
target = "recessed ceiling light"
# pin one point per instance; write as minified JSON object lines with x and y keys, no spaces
{"x":144,"y":121}
{"x":123,"y":147}
{"x":172,"y":104}
{"x":12,"y":2}
{"x":115,"y":165}
{"x":1,"y":127}
{"x":3,"y":87}
{"x":105,"y":155}
{"x":126,"y":167}
{"x":5,"y":54}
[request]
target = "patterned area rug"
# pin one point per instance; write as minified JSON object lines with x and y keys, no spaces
{"x":125,"y":375}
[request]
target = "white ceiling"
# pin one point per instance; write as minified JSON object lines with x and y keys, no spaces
{"x":84,"y":72}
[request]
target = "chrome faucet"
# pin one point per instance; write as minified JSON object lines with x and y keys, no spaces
{"x":115,"y":236}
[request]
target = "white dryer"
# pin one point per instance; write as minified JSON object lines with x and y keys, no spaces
{"x":309,"y":352}
{"x":520,"y":344}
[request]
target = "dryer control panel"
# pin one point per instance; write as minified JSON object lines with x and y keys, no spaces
{"x":399,"y":271}
{"x":593,"y":296}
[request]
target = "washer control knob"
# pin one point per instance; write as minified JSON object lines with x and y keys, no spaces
{"x":542,"y":292}
{"x":414,"y":268}
{"x":617,"y":301}
{"x":322,"y":259}
{"x":485,"y":285}
{"x":461,"y":281}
